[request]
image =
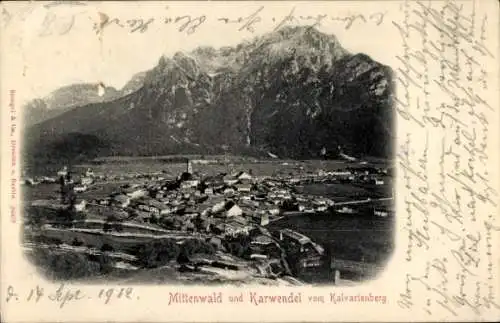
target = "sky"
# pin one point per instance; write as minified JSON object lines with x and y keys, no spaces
{"x":57,"y":46}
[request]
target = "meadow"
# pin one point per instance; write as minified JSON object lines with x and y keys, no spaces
{"x":354,"y":238}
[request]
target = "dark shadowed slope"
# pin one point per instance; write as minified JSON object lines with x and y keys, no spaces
{"x":290,"y":92}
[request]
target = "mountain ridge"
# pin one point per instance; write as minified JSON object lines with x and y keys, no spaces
{"x":290,"y":92}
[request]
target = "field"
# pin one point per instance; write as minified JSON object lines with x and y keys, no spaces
{"x":349,"y":237}
{"x":173,"y":165}
{"x":346,"y":192}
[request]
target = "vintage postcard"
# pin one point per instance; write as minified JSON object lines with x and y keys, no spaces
{"x":250,"y":161}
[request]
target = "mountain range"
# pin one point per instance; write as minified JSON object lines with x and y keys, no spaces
{"x":71,"y":96}
{"x":292,"y":92}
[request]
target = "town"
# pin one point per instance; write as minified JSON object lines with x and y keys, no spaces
{"x":223,"y":226}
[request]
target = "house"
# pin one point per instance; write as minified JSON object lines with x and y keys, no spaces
{"x":87,"y":180}
{"x":214,"y":180}
{"x":63,"y":171}
{"x":233,"y":228}
{"x":257,"y":256}
{"x":376,"y":181}
{"x":294,"y":236}
{"x":304,"y":244}
{"x":167,"y":210}
{"x":264,"y":220}
{"x":321,"y":201}
{"x":381,"y":213}
{"x":189,"y":167}
{"x":218,"y":228}
{"x":155,"y":206}
{"x":344,"y":173}
{"x":137,"y":193}
{"x":80,"y":207}
{"x":147,"y":208}
{"x":189,"y":184}
{"x":322,"y":173}
{"x":274,"y":211}
{"x":89,"y":172}
{"x":80,"y":188}
{"x":244,"y":175}
{"x":239,"y":219}
{"x":190,"y":210}
{"x":262,"y":240}
{"x":121,"y":200}
{"x":229,"y":192}
{"x":346,"y":210}
{"x":260,"y":196}
{"x":265,"y":245}
{"x":206,"y":225}
{"x":235,"y":210}
{"x":219,"y":207}
{"x":103,"y":202}
{"x":216,"y":242}
{"x":188,"y":226}
{"x":322,"y":208}
{"x":31,"y":182}
{"x":230,"y":180}
{"x":170,"y":185}
{"x":311,"y":261}
{"x":243,"y":187}
{"x":48,"y":180}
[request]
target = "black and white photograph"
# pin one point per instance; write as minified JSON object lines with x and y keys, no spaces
{"x":268,"y":162}
{"x":249,"y":161}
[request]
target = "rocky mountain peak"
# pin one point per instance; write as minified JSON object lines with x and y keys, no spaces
{"x":292,"y":92}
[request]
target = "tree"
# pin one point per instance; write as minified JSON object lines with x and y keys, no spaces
{"x":112,"y":223}
{"x":66,"y":266}
{"x":118,"y":227}
{"x":106,"y":247}
{"x":196,"y":246}
{"x":153,"y":219}
{"x":106,"y":227}
{"x":77,"y":243}
{"x":62,"y":189}
{"x":199,"y":223}
{"x":239,"y":245}
{"x":106,"y":264}
{"x":65,"y":217}
{"x":157,"y":253}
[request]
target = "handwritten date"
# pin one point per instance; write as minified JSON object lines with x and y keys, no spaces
{"x":65,"y":295}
